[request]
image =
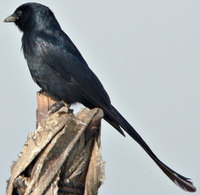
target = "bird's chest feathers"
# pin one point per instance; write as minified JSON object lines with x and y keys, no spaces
{"x":28,"y":46}
{"x":34,"y":58}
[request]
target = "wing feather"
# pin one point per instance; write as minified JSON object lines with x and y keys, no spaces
{"x":65,"y":59}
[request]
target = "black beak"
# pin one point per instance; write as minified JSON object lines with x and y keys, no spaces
{"x":11,"y":18}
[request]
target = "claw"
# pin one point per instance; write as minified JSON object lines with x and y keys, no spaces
{"x":57,"y":106}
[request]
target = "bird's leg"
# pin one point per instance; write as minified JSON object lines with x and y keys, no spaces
{"x":57,"y":106}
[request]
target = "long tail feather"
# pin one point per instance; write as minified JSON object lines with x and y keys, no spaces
{"x":117,"y":120}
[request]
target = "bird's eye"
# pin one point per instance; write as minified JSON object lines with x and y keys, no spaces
{"x":19,"y":13}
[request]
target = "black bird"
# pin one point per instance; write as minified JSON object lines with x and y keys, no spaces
{"x":59,"y":69}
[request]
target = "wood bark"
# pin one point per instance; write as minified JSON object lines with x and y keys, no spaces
{"x":63,"y":155}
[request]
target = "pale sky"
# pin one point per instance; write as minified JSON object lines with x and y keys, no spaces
{"x":146,"y":53}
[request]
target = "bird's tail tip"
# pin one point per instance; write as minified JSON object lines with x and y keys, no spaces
{"x":181,"y":181}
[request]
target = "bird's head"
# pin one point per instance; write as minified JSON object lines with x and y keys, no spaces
{"x":33,"y":16}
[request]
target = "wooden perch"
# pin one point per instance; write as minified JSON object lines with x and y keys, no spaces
{"x":63,"y":156}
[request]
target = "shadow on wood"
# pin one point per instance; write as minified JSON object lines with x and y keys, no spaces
{"x":63,"y":156}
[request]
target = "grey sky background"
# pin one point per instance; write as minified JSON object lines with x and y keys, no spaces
{"x":146,"y":53}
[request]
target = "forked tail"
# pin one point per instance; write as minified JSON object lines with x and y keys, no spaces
{"x":117,"y":121}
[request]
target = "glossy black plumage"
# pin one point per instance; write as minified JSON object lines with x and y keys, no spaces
{"x":58,"y":68}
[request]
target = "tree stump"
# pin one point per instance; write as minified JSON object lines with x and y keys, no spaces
{"x":63,"y":155}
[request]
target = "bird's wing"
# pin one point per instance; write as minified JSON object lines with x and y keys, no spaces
{"x":61,"y":55}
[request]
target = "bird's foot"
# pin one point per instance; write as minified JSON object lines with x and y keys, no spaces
{"x":57,"y":106}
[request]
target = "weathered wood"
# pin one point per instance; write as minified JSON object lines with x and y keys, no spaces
{"x":63,"y":156}
{"x":44,"y":103}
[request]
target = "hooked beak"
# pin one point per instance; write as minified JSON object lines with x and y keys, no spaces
{"x":11,"y":18}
